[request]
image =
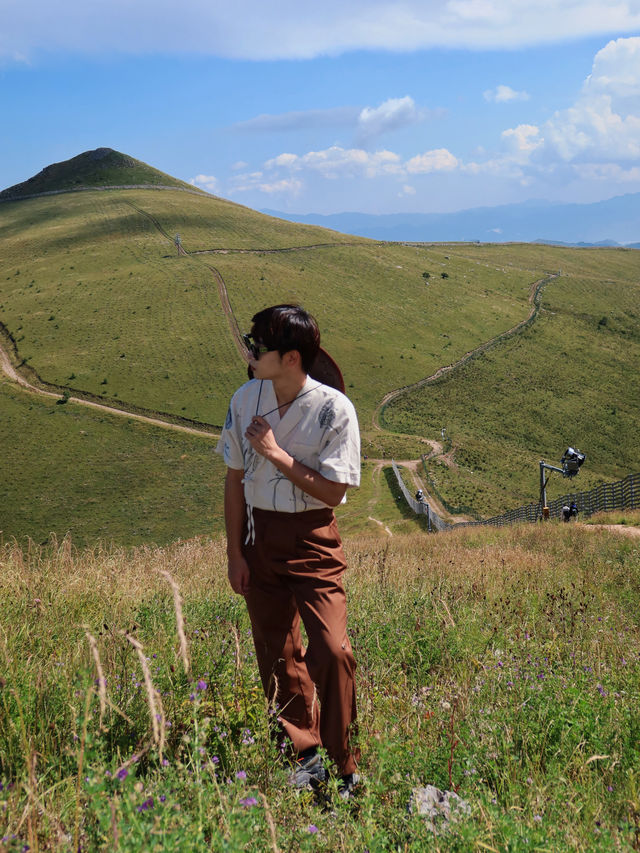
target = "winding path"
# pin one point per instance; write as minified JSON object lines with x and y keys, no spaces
{"x":535,"y":293}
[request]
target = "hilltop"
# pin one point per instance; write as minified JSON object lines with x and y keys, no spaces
{"x":102,"y":167}
{"x":96,"y":302}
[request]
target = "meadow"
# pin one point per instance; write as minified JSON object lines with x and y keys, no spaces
{"x":98,"y":302}
{"x":571,"y":378}
{"x":502,"y":664}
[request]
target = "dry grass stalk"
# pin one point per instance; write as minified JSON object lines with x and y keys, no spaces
{"x":270,"y":824}
{"x":238,"y":660}
{"x":102,"y":682}
{"x":177,"y":603}
{"x":155,"y":702}
{"x":451,"y":620}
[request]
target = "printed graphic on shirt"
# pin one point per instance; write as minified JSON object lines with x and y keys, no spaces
{"x":229,"y":419}
{"x":327,"y":415}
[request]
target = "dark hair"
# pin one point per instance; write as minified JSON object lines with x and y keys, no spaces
{"x":285,"y":328}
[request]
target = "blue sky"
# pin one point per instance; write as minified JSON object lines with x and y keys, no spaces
{"x":358,"y":105}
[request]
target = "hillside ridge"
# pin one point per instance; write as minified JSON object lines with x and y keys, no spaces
{"x":100,"y":168}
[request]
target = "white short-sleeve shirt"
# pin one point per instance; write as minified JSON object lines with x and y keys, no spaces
{"x":320,"y":429}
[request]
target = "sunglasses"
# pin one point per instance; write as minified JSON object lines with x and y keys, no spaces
{"x":254,"y":348}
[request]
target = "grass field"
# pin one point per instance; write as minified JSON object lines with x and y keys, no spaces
{"x":97,"y":301}
{"x":503,"y":664}
{"x":572,"y":378}
{"x":100,"y":477}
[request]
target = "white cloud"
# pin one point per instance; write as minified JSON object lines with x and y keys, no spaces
{"x":604,"y":122}
{"x":438,"y":160}
{"x":253,"y":29}
{"x":503,"y":94}
{"x":206,"y":182}
{"x":523,"y":139}
{"x":616,"y":69}
{"x":407,"y":190}
{"x":301,"y":120}
{"x":390,"y":115}
{"x":335,"y":162}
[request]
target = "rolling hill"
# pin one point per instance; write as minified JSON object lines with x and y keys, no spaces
{"x":95,"y":300}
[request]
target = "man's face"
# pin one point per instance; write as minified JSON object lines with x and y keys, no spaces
{"x":267,"y":365}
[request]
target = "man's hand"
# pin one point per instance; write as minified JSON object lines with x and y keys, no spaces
{"x":261,"y":437}
{"x":238,"y":572}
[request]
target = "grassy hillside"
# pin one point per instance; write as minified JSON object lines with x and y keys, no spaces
{"x":102,"y":167}
{"x":572,"y":378}
{"x":504,"y":664}
{"x":97,"y":300}
{"x":68,"y":470}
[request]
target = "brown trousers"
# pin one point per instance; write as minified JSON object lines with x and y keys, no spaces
{"x":296,"y":565}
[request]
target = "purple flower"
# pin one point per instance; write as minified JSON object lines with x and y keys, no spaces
{"x":201,"y":685}
{"x":537,"y":818}
{"x":601,"y":690}
{"x":609,"y":788}
{"x":215,"y":759}
{"x":162,"y":798}
{"x":247,"y":802}
{"x":312,"y":828}
{"x":122,"y":773}
{"x":146,"y":805}
{"x":241,"y":774}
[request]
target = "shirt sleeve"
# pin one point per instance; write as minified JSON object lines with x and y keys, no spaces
{"x":230,"y":444}
{"x":339,"y":457}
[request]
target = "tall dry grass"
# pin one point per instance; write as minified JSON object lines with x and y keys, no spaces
{"x":500,"y":663}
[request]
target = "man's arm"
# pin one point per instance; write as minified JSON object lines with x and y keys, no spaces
{"x":312,"y":482}
{"x":234,"y":515}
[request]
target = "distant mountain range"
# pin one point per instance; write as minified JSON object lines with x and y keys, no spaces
{"x":614,"y":222}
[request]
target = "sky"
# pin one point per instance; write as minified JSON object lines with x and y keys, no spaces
{"x":374,"y":106}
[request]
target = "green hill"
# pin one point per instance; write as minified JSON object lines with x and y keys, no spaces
{"x":95,"y":299}
{"x":102,"y":167}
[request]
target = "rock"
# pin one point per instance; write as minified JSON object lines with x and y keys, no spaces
{"x":441,"y":807}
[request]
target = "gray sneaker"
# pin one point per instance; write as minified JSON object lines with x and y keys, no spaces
{"x":347,"y":786}
{"x":309,"y":772}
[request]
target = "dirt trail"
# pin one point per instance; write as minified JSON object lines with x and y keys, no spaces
{"x":10,"y":371}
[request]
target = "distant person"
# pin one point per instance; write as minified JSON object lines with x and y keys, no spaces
{"x":292,"y":448}
{"x":566,"y":512}
{"x":573,"y":509}
{"x":419,"y":496}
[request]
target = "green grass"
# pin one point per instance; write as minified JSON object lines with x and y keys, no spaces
{"x":93,"y":293}
{"x":569,"y":379}
{"x":502,"y":663}
{"x":101,"y":477}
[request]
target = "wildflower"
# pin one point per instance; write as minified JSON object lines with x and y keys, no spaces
{"x":241,"y":774}
{"x":146,"y":805}
{"x":312,"y":828}
{"x":201,"y":685}
{"x":537,"y":818}
{"x":602,"y":691}
{"x":165,"y":762}
{"x":610,"y":788}
{"x":214,"y":759}
{"x":122,"y":773}
{"x":247,"y":802}
{"x":162,"y":798}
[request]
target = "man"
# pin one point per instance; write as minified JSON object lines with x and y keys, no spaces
{"x":292,"y":447}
